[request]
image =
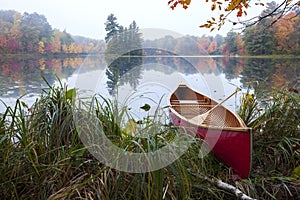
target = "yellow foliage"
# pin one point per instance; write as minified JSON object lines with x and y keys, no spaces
{"x":41,"y":47}
{"x":42,"y":64}
{"x":235,"y":3}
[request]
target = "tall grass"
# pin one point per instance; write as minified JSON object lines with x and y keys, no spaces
{"x":43,"y":157}
{"x":40,"y":150}
{"x":275,"y":118}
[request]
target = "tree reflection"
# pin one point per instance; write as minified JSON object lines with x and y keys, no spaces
{"x":125,"y":69}
{"x":19,"y":76}
{"x":266,"y":72}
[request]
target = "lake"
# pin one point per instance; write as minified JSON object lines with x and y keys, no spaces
{"x":150,"y":80}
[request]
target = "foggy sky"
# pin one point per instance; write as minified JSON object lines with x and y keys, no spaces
{"x":87,"y":17}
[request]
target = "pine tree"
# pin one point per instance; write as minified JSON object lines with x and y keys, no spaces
{"x":112,"y":27}
{"x":123,"y":52}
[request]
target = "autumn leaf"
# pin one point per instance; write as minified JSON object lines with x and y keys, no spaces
{"x":240,"y":12}
{"x":213,"y":7}
{"x":226,"y":7}
{"x":188,"y":2}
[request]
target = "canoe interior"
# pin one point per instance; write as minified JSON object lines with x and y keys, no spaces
{"x":189,"y":104}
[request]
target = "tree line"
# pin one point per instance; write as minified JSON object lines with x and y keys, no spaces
{"x":31,"y":33}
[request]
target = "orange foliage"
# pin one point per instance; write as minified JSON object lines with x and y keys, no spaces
{"x":225,"y":7}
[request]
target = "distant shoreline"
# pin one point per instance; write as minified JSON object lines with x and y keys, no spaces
{"x":48,"y":55}
{"x":4,"y":56}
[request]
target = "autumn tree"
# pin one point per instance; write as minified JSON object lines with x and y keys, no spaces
{"x":31,"y":33}
{"x":294,"y":38}
{"x":283,"y":28}
{"x":34,"y":28}
{"x":226,"y":8}
{"x":212,"y":49}
{"x":203,"y":43}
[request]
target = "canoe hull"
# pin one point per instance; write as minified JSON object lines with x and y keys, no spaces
{"x":233,"y":148}
{"x":223,"y":131}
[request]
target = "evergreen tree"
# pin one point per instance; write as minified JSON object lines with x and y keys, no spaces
{"x":230,"y":42}
{"x":123,"y":52}
{"x":259,"y":39}
{"x":111,"y":26}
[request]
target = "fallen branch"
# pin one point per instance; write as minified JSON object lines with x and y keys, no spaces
{"x":225,"y":186}
{"x":232,"y":189}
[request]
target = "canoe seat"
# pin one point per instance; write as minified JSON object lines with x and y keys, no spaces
{"x":190,"y":110}
{"x":190,"y":102}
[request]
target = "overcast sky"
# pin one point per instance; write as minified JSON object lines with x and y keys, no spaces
{"x":87,"y":17}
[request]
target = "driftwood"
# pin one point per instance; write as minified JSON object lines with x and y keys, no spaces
{"x":225,"y":186}
{"x":230,"y":188}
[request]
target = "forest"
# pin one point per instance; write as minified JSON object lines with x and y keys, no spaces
{"x":32,"y":34}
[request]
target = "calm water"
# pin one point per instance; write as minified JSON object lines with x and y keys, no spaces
{"x":150,"y":80}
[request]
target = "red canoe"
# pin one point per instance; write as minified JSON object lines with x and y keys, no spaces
{"x":223,"y":131}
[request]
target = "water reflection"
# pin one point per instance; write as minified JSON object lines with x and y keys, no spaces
{"x":210,"y":75}
{"x":275,"y":73}
{"x":128,"y":67}
{"x":22,"y":76}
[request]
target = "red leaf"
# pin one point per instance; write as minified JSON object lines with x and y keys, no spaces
{"x":240,"y":12}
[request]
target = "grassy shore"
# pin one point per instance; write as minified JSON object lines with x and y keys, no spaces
{"x":42,"y":155}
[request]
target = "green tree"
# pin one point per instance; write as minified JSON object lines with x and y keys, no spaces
{"x":111,"y":26}
{"x":123,"y":52}
{"x":230,"y":43}
{"x":260,"y":39}
{"x":34,"y":28}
